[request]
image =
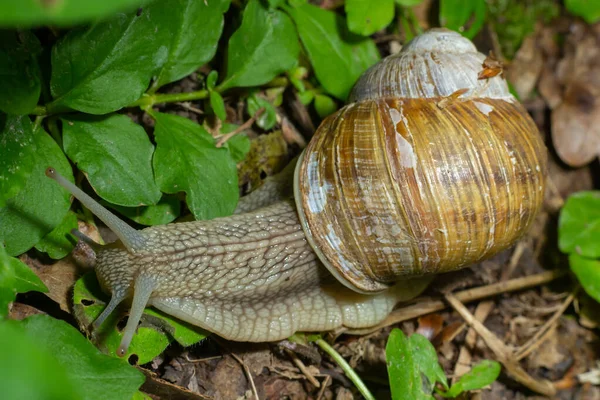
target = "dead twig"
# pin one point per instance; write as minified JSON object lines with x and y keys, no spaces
{"x":544,"y":331}
{"x":298,"y":363}
{"x":248,"y":374}
{"x":483,"y":310}
{"x":501,"y":351}
{"x":188,"y":106}
{"x":422,"y":306}
{"x":221,"y":141}
{"x":323,"y":387}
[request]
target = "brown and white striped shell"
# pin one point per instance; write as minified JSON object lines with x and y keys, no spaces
{"x":427,"y":170}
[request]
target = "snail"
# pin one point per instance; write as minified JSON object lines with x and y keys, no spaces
{"x":426,"y":170}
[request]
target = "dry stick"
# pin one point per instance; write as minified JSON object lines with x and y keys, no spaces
{"x":239,"y":129}
{"x":248,"y":374}
{"x":298,"y":363}
{"x":544,"y":331}
{"x":482,"y":311}
{"x":502,"y":352}
{"x":427,"y":306}
{"x":463,"y":364}
{"x":188,"y":106}
{"x":323,"y":387}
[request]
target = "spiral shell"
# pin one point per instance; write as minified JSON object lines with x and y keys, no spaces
{"x":428,"y":169}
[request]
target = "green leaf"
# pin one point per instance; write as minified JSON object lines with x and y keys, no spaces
{"x":165,"y":211}
{"x":412,"y":366}
{"x":515,"y":19}
{"x":186,"y":159}
{"x":17,"y":155}
{"x":103,"y":68}
{"x":15,"y":277}
{"x":60,"y":241}
{"x":588,"y":274}
{"x":366,"y":17}
{"x":324,"y":105}
{"x":182,"y":332}
{"x":455,"y":14}
{"x":268,"y":118}
{"x":589,"y":10}
{"x":152,"y":336}
{"x":275,"y":3}
{"x":187,"y":51}
{"x":19,"y":71}
{"x":408,"y":3}
{"x":115,"y":154}
{"x":426,"y":359}
{"x":41,"y":205}
{"x":92,"y":373}
{"x":306,"y":97}
{"x":238,"y":145}
{"x":88,"y":304}
{"x":64,"y":12}
{"x":337,"y":56}
{"x":28,"y":370}
{"x":217,"y":104}
{"x":481,"y":375}
{"x":211,"y":79}
{"x":579,"y":224}
{"x":264,"y":46}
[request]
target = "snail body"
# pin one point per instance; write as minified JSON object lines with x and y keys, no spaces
{"x":426,"y":170}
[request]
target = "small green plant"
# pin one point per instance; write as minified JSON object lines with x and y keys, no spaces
{"x":415,"y":373}
{"x":579,"y":237}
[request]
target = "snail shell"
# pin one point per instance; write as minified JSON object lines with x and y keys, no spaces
{"x":427,"y":170}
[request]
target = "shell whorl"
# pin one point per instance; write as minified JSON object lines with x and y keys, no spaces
{"x":435,"y":64}
{"x":406,"y":182}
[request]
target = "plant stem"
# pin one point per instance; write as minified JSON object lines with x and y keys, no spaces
{"x":150,"y":100}
{"x":350,"y":373}
{"x":40,"y":110}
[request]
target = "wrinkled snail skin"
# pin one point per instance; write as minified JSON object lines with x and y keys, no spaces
{"x":249,"y":277}
{"x":428,"y":172}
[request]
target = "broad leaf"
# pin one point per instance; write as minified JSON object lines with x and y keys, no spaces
{"x":455,"y":14}
{"x":103,"y":68}
{"x":426,"y":360}
{"x":186,"y":159}
{"x":60,"y":241}
{"x":19,"y":71}
{"x":17,"y":152}
{"x":116,"y":155}
{"x":217,"y":104}
{"x":480,"y":376}
{"x":588,"y":274}
{"x":28,"y":370}
{"x":579,"y":224}
{"x":337,"y":56}
{"x":196,"y":33}
{"x":589,"y":10}
{"x":15,"y":277}
{"x":412,"y":366}
{"x":366,"y":17}
{"x":264,"y":46}
{"x":91,"y":373}
{"x":268,"y":118}
{"x":42,"y":204}
{"x":63,"y":12}
{"x":152,"y":336}
{"x":238,"y":145}
{"x":405,"y":379}
{"x":324,"y":105}
{"x":165,"y":211}
{"x":408,"y":3}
